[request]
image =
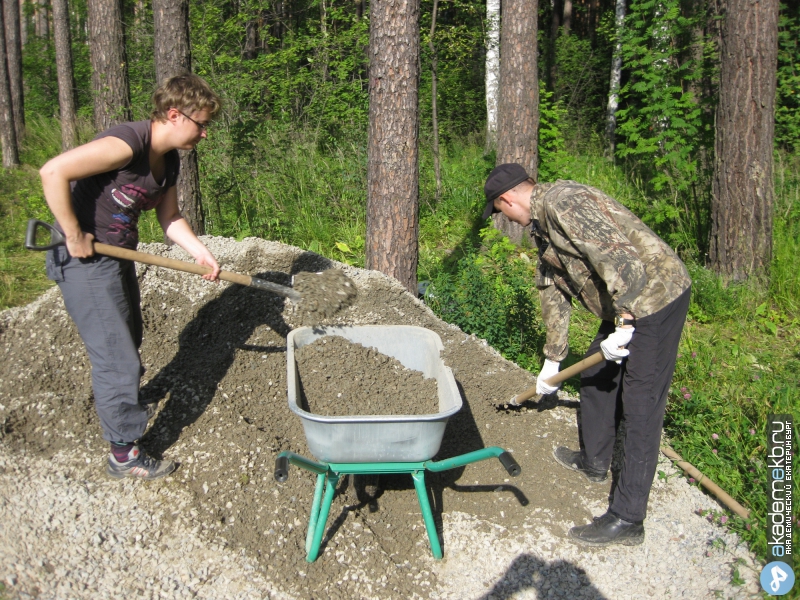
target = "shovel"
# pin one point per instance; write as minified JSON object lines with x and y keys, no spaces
{"x":57,"y":239}
{"x":560,"y":377}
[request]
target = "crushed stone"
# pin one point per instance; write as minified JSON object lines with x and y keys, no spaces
{"x":341,"y":378}
{"x":324,"y":294}
{"x":222,"y":527}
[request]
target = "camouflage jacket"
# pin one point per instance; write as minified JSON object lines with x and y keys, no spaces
{"x":594,"y":249}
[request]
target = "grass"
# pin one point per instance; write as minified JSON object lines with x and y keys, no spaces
{"x":738,"y":360}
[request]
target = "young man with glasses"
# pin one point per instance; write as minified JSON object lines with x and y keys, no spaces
{"x":97,"y":192}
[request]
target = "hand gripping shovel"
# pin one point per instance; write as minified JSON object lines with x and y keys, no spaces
{"x":560,"y":377}
{"x":342,"y":289}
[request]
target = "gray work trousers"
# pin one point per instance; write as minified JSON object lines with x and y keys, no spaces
{"x":101,"y":295}
{"x":637,"y":389}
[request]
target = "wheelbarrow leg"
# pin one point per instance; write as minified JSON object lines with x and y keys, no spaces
{"x":314,"y":516}
{"x":427,"y":514}
{"x":331,"y":480}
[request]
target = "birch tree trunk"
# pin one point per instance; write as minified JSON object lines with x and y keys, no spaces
{"x":11,"y":16}
{"x":173,"y":57}
{"x":742,"y":200}
{"x":613,"y":90}
{"x":518,"y":105}
{"x":437,"y":169}
{"x":66,"y":78}
{"x":567,"y":20}
{"x":109,"y":67}
{"x":393,"y":153}
{"x":8,"y":133}
{"x":492,"y":70}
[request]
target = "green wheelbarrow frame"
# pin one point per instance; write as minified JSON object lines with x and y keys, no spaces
{"x":329,"y":474}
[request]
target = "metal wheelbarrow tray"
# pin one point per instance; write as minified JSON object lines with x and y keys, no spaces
{"x":378,"y":438}
{"x":378,"y":444}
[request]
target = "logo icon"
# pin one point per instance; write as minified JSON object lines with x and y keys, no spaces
{"x":777,"y":578}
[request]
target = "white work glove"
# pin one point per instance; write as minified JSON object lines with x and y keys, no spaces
{"x":612,"y":345}
{"x":549,"y":369}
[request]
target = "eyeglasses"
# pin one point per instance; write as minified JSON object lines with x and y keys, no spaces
{"x":202,"y":126}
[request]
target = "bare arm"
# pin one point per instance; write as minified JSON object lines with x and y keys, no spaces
{"x":178,"y":230}
{"x":99,"y":156}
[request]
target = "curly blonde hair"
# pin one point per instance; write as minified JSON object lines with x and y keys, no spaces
{"x":186,"y":92}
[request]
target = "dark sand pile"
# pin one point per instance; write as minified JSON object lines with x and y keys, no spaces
{"x":341,"y":378}
{"x":216,"y":361}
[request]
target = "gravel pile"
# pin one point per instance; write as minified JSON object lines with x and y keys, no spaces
{"x":221,"y":527}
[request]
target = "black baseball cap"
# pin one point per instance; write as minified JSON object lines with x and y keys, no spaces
{"x":501,"y":179}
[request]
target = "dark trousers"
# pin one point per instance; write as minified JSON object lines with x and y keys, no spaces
{"x":101,"y":295}
{"x":637,"y":389}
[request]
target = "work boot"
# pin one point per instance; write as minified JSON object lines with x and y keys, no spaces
{"x":609,"y":529}
{"x":139,"y":466}
{"x":573,"y":460}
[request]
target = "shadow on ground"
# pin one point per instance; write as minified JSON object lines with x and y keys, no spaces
{"x":559,"y":579}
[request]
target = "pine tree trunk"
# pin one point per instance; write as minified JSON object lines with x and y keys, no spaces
{"x":109,"y":67}
{"x":14,"y":52}
{"x":742,"y":194}
{"x":173,"y":56}
{"x":492,"y":70}
{"x":66,"y":79}
{"x":393,"y":165}
{"x":616,"y":75}
{"x":518,"y":106}
{"x":8,"y":134}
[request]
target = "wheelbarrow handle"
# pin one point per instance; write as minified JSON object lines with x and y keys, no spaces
{"x":509,"y":464}
{"x":281,"y":468}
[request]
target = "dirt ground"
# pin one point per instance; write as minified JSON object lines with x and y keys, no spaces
{"x":216,"y":362}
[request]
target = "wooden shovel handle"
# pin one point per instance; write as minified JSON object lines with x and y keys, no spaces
{"x":168,"y":263}
{"x":561,"y":376}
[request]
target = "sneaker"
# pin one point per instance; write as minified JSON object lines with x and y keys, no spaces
{"x":609,"y":529}
{"x":572,"y":460}
{"x":139,"y":465}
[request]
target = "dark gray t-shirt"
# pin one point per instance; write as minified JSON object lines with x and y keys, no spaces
{"x":108,"y":205}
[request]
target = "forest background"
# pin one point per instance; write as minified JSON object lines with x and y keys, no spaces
{"x":287,"y":160}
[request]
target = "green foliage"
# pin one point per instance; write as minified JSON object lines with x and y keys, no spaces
{"x":312,"y":72}
{"x":490,"y":294}
{"x":39,"y":75}
{"x":553,"y":157}
{"x":663,"y":126}
{"x":787,"y":101}
{"x":580,"y":86}
{"x":729,"y":377}
{"x":461,"y":68}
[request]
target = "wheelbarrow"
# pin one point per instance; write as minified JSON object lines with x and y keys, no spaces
{"x":378,"y":444}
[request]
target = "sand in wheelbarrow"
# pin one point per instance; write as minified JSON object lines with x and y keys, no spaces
{"x":340,"y":378}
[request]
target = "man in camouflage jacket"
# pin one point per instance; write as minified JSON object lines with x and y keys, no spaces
{"x":593,"y":249}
